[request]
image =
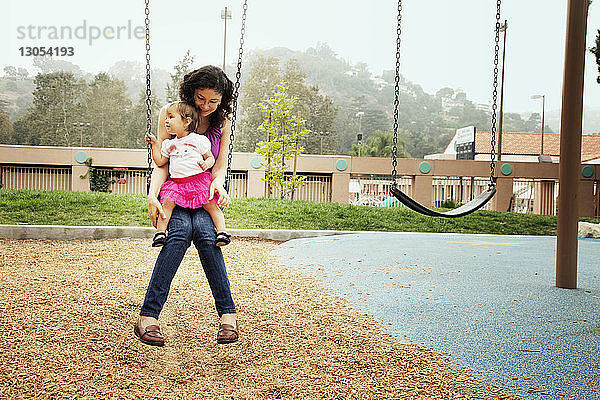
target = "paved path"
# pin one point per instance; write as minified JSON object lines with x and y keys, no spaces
{"x":489,"y":302}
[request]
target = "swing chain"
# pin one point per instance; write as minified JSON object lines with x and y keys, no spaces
{"x":236,"y":90}
{"x":148,"y":94}
{"x":494,"y":129}
{"x":396,"y":95}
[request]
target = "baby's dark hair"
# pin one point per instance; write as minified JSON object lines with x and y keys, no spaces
{"x":186,"y":111}
{"x":209,"y":77}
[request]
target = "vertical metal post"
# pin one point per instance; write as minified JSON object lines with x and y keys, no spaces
{"x":321,"y":134}
{"x":570,"y":144}
{"x":225,"y":15}
{"x":224,"y":37}
{"x":295,"y":157}
{"x":543,"y":114}
{"x":359,"y":136}
{"x":501,"y":112}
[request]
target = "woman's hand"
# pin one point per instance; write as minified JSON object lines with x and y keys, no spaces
{"x":155,"y":209}
{"x":217,"y":187}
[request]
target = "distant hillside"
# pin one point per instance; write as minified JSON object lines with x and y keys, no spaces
{"x":426,"y":122}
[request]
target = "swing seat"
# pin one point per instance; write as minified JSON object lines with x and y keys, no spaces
{"x":465,"y":209}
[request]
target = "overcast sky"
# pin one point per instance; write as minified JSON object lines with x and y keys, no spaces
{"x":445,"y":43}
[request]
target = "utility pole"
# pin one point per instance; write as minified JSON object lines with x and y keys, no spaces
{"x":225,"y":15}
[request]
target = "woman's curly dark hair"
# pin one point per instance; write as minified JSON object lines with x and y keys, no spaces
{"x":209,"y":77}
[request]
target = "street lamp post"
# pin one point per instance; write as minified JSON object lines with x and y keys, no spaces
{"x":225,"y":15}
{"x":81,"y":125}
{"x":503,"y":28}
{"x":359,"y":115}
{"x":543,"y":97}
{"x":321,"y":136}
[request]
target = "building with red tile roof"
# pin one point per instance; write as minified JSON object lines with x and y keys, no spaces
{"x":526,"y":147}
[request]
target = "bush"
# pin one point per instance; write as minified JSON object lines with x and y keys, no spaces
{"x":449,"y":204}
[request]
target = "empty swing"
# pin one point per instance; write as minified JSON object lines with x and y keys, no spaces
{"x":487,"y":194}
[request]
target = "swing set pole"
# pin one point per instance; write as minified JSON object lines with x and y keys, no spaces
{"x":570,"y":144}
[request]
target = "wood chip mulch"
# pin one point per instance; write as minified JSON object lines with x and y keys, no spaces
{"x":67,"y":310}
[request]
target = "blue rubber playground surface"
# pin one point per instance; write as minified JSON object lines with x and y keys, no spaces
{"x":488,"y":302}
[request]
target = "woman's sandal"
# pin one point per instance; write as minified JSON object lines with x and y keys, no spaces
{"x":159,"y":239}
{"x":223,"y":239}
{"x":227,"y":334}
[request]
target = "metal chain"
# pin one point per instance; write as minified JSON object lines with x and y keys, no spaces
{"x":236,"y":91}
{"x":148,"y":95}
{"x":396,"y":95}
{"x":494,"y":129}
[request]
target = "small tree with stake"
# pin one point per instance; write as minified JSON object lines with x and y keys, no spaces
{"x":284,"y":132}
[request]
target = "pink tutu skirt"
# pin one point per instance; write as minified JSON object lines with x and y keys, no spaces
{"x":188,"y":192}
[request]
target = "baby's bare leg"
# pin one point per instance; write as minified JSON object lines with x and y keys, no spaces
{"x":217,"y":216}
{"x":161,"y":224}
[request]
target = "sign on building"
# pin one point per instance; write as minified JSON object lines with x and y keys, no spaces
{"x":465,"y":143}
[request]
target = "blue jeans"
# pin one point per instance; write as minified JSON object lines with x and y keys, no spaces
{"x":186,"y":226}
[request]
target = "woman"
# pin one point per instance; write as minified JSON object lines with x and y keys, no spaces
{"x":212,"y":93}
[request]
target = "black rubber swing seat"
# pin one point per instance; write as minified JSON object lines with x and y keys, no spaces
{"x":465,"y":209}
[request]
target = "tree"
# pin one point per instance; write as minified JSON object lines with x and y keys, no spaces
{"x":445,"y":93}
{"x":380,"y":144}
{"x":374,"y":120}
{"x":596,"y":52}
{"x":323,"y":51}
{"x":260,"y":86}
{"x":133,"y":73}
{"x":284,"y":133}
{"x":16,"y":93}
{"x":106,"y":107}
{"x":135,"y":127}
{"x":181,"y":68}
{"x":513,"y":122}
{"x":315,"y":107}
{"x":533,"y":123}
{"x":47,"y":64}
{"x":10,"y":71}
{"x":22,"y":74}
{"x":345,"y":123}
{"x":6,"y":130}
{"x":468,"y":114}
{"x":49,"y":120}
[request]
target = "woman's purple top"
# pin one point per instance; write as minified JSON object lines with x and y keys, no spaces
{"x":213,"y":133}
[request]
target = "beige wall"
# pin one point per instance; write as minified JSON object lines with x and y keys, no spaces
{"x":318,"y":164}
{"x":41,"y":155}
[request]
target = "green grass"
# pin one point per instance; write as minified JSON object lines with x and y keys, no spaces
{"x":71,"y":208}
{"x":81,"y":208}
